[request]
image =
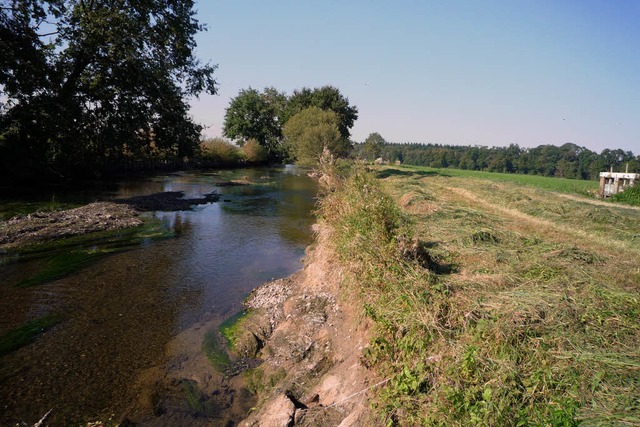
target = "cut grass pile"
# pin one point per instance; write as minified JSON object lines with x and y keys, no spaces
{"x":535,"y":320}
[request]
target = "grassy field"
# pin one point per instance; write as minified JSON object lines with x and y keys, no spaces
{"x":554,"y":184}
{"x":495,"y":303}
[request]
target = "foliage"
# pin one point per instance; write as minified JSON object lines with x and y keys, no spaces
{"x":325,"y":98}
{"x":310,"y":132}
{"x":253,"y":152}
{"x":532,"y":327}
{"x":262,"y":115}
{"x":372,"y":146}
{"x":85,"y":82}
{"x":258,"y":116}
{"x":630,"y":196}
{"x":219,"y":150}
{"x":568,"y":161}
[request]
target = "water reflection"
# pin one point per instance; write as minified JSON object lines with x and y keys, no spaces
{"x":120,"y":313}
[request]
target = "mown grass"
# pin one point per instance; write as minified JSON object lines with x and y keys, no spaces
{"x":536,"y":322}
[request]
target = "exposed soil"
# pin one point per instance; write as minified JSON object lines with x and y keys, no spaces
{"x":100,"y":216}
{"x":310,"y":339}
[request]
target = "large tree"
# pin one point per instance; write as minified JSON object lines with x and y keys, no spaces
{"x":89,"y":79}
{"x":255,"y":115}
{"x":373,"y":146}
{"x":325,"y":98}
{"x":310,"y":132}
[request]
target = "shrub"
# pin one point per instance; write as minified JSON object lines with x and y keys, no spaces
{"x":253,"y":152}
{"x":219,"y":150}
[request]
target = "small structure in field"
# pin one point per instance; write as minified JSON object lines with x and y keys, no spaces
{"x":616,"y":182}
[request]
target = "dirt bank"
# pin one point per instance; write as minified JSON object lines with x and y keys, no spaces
{"x":100,"y":216}
{"x":311,"y":338}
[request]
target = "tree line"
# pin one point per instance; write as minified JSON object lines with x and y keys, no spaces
{"x":567,"y":161}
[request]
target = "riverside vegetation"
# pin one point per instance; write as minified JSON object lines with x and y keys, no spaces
{"x":493,"y":302}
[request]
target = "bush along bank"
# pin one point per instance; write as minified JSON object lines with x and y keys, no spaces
{"x":522,"y":352}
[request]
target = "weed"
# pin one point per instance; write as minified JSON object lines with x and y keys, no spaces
{"x":197,"y":400}
{"x":232,"y":327}
{"x":63,"y":257}
{"x":630,"y":196}
{"x":215,"y":351}
{"x":23,"y":335}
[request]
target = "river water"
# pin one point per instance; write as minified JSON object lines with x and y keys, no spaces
{"x":132,"y":323}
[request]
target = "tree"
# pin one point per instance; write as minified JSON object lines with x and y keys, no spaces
{"x":89,"y":80}
{"x":373,"y":146}
{"x":309,"y":132}
{"x":255,"y":115}
{"x":325,"y":98}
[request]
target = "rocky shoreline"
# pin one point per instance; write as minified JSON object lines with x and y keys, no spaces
{"x":310,"y":338}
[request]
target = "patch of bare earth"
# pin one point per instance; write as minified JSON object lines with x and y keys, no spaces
{"x":313,"y":345}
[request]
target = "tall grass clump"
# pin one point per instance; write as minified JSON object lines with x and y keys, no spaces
{"x":630,"y":196}
{"x":220,"y":150}
{"x":548,"y":346}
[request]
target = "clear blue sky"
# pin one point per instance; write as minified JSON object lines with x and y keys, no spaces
{"x":452,"y":72}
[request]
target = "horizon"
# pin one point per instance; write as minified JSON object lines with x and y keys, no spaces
{"x":460,"y":74}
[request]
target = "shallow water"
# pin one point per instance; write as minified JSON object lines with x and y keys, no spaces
{"x":123,"y":316}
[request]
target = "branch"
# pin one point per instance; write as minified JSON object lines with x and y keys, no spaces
{"x":48,"y":34}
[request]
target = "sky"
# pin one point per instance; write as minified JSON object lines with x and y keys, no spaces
{"x":474,"y":72}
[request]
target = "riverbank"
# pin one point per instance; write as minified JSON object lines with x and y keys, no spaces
{"x":476,"y":303}
{"x":310,"y":336}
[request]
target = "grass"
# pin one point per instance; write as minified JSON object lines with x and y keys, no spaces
{"x":571,"y":186}
{"x":630,"y":196}
{"x":537,"y":322}
{"x":27,"y":333}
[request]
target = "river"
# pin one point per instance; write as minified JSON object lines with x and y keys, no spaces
{"x":127,"y":344}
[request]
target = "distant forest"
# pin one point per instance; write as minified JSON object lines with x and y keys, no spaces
{"x":567,"y":161}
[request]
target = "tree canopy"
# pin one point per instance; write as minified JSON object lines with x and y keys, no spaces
{"x":88,"y":80}
{"x":373,"y":146}
{"x":325,"y":98}
{"x":255,"y":115}
{"x":263,"y":115}
{"x":308,"y":133}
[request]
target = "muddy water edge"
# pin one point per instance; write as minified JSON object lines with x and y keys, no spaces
{"x":133,"y":335}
